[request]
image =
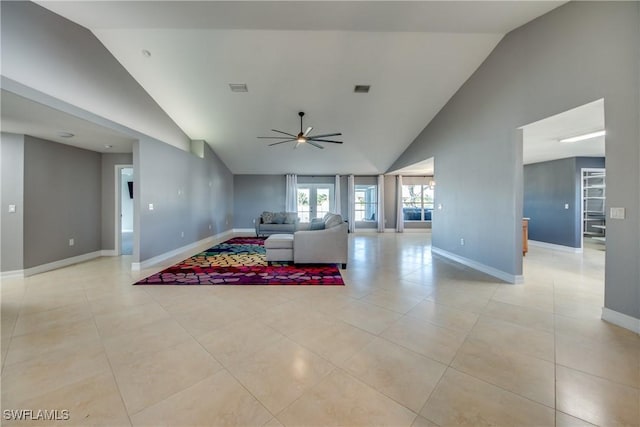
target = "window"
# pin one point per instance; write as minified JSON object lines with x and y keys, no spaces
{"x":366,"y":199}
{"x":314,"y":201}
{"x":417,"y":202}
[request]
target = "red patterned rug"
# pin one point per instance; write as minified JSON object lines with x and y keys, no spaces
{"x":242,"y":261}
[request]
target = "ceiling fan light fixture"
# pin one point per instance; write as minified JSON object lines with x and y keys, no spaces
{"x":301,"y":139}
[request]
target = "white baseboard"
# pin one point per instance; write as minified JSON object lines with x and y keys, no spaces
{"x":61,"y":263}
{"x":555,"y":247}
{"x":182,"y":251}
{"x":244,"y":230}
{"x":13,"y":274}
{"x":502,"y":275}
{"x":108,"y":252}
{"x":620,"y":319}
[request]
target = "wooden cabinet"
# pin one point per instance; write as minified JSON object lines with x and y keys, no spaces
{"x":525,"y":236}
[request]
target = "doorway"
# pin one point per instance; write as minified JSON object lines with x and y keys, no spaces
{"x":315,"y":200}
{"x":124,"y":210}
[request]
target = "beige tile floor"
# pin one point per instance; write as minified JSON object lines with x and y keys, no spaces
{"x":410,"y":340}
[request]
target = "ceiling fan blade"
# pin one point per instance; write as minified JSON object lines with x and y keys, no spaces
{"x":306,"y":132}
{"x":270,"y":137}
{"x":279,"y":131}
{"x":297,"y":144}
{"x":324,"y":140}
{"x":281,"y":142}
{"x":324,"y":135}
{"x":315,"y":145}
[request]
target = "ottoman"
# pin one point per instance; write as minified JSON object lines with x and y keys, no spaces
{"x":279,"y":247}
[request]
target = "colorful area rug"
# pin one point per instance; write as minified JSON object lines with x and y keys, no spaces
{"x":242,"y":261}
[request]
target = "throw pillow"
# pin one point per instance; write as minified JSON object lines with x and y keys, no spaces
{"x":267,"y":217}
{"x":279,"y":218}
{"x":316,"y":224}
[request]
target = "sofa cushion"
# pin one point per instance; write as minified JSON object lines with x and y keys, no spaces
{"x":333,"y":221}
{"x":267,"y":217}
{"x":290,"y":218}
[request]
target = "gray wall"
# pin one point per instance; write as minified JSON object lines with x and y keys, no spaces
{"x":108,"y":218}
{"x":192,"y":197}
{"x":540,"y":69}
{"x":254,"y":194}
{"x":53,"y":55}
{"x":12,"y":180}
{"x":62,"y":186}
{"x":548,"y":186}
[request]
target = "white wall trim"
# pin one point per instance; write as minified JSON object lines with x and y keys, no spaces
{"x":244,"y":230}
{"x":416,"y":230}
{"x":61,"y":263}
{"x":13,"y":274}
{"x":365,"y":230}
{"x":183,"y":251}
{"x":620,"y":319}
{"x":109,"y":252}
{"x":507,"y":277}
{"x":555,"y":247}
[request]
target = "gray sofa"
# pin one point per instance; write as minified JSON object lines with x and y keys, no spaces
{"x":276,"y":223}
{"x":329,"y":245}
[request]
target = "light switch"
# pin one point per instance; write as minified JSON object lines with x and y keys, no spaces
{"x":12,"y":208}
{"x":150,"y":206}
{"x":439,"y":206}
{"x":616,"y":213}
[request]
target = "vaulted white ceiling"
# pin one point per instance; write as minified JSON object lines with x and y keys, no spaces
{"x":301,"y":56}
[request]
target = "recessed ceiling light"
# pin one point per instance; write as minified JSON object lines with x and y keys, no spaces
{"x":362,"y":88}
{"x":585,"y":136}
{"x":108,"y":146}
{"x":65,"y":135}
{"x":238,"y":87}
{"x":146,"y":53}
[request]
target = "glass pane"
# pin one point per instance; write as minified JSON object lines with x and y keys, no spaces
{"x":366,"y":202}
{"x":412,"y":202}
{"x":303,"y":204}
{"x":323,"y":202}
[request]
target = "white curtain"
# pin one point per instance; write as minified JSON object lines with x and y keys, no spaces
{"x":337,"y":208}
{"x":380,"y":204}
{"x":399,"y":212}
{"x":351,"y":193}
{"x":291,"y":195}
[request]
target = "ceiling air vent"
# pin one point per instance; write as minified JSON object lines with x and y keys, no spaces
{"x":238,"y":87}
{"x":362,"y":88}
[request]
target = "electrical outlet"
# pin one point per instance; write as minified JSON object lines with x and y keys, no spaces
{"x":439,"y":206}
{"x":209,"y":226}
{"x":12,"y":208}
{"x":72,"y":242}
{"x":182,"y":234}
{"x":150,"y":206}
{"x":566,"y":205}
{"x":461,"y":242}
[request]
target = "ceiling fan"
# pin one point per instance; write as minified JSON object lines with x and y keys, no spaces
{"x":302,"y":137}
